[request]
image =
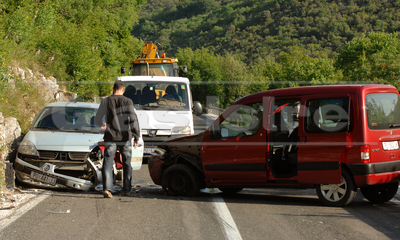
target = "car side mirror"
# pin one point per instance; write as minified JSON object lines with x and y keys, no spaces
{"x":197,"y":108}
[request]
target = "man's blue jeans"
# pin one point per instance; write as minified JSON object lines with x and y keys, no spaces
{"x":107,"y":172}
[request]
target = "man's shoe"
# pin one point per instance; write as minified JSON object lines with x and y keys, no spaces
{"x":107,"y":194}
{"x":126,"y":193}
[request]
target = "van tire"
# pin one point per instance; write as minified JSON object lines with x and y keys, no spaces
{"x":338,"y":195}
{"x":380,"y":193}
{"x":180,"y":179}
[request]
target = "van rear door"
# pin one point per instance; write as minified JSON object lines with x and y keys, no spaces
{"x":322,"y":138}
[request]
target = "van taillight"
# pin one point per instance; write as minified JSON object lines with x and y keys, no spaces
{"x":365,"y":154}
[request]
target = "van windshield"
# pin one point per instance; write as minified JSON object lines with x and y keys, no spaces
{"x":383,"y":110}
{"x":161,"y":69}
{"x":158,"y":95}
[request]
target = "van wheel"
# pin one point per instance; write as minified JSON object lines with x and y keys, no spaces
{"x":380,"y":193}
{"x":180,"y":179}
{"x":338,"y":195}
{"x":229,"y":190}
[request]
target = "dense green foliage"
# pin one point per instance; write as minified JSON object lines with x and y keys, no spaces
{"x":246,"y":46}
{"x":260,"y":28}
{"x":231,"y":47}
{"x":81,"y":43}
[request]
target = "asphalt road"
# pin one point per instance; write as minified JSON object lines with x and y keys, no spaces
{"x":252,"y":214}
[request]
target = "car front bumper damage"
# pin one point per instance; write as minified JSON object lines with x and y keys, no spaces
{"x":46,"y":177}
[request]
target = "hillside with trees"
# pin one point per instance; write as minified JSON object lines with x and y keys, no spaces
{"x":261,"y":28}
{"x":231,"y":47}
{"x":81,"y":43}
{"x":237,"y":47}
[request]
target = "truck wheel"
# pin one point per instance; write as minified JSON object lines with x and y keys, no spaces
{"x":180,"y":179}
{"x":380,"y":193}
{"x":228,"y":190}
{"x":338,"y":195}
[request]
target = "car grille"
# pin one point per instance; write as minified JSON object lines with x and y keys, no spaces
{"x":65,"y":156}
{"x":48,"y":155}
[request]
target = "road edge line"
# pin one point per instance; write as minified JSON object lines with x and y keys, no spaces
{"x":22,"y":210}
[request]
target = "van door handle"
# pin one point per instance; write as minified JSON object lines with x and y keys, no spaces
{"x":303,"y":139}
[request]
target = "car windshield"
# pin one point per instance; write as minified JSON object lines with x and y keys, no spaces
{"x":158,"y":95}
{"x":383,"y":110}
{"x":67,"y":119}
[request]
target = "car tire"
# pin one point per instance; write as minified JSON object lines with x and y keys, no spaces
{"x":180,"y":179}
{"x":380,"y":193}
{"x":338,"y":195}
{"x":228,"y":190}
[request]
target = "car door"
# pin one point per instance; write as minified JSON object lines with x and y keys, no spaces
{"x":234,"y":148}
{"x":322,"y":138}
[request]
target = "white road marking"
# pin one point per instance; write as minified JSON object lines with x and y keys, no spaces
{"x":22,"y":210}
{"x":231,"y":232}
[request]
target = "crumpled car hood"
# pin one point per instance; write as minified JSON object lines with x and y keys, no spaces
{"x":63,"y":141}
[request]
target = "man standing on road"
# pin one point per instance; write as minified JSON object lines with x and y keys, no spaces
{"x":121,"y":124}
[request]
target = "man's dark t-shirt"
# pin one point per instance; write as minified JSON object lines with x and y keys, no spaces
{"x":120,"y":117}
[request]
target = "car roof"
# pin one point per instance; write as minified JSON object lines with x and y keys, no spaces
{"x":153,"y":79}
{"x":74,"y":104}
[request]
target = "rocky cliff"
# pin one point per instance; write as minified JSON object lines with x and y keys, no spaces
{"x":10,"y":130}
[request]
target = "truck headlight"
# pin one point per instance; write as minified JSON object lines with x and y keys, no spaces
{"x":28,"y":148}
{"x":181,"y":130}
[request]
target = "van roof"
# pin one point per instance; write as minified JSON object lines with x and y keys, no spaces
{"x":310,"y":90}
{"x":153,"y":79}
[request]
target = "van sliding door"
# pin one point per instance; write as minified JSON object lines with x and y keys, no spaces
{"x":323,"y":139}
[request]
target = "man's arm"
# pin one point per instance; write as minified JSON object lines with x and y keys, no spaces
{"x":101,"y":112}
{"x":134,"y":122}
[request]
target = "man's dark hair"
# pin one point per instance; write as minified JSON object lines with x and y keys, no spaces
{"x":118,"y":85}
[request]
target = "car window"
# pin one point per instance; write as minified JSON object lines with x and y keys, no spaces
{"x":245,"y":120}
{"x":324,"y":115}
{"x":67,"y":119}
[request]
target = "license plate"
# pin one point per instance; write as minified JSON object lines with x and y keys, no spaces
{"x":43,"y":178}
{"x":149,"y":150}
{"x":390,"y":145}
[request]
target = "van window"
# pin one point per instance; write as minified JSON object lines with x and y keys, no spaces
{"x":243,"y":121}
{"x":285,"y":115}
{"x":383,"y":110}
{"x":327,"y":115}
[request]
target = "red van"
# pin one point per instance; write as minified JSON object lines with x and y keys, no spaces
{"x":332,"y":138}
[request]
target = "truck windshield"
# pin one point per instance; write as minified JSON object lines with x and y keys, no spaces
{"x":383,"y":110}
{"x":163,"y":69}
{"x":158,"y":95}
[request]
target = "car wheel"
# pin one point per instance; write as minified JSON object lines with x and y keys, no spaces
{"x":228,"y":190}
{"x":180,"y":179}
{"x":380,"y":193}
{"x":338,"y":195}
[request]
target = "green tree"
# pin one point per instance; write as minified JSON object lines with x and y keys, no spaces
{"x":373,"y":58}
{"x":204,"y":72}
{"x":82,"y":43}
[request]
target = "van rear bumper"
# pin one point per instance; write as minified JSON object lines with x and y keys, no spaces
{"x":374,"y":168}
{"x":375,"y":173}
